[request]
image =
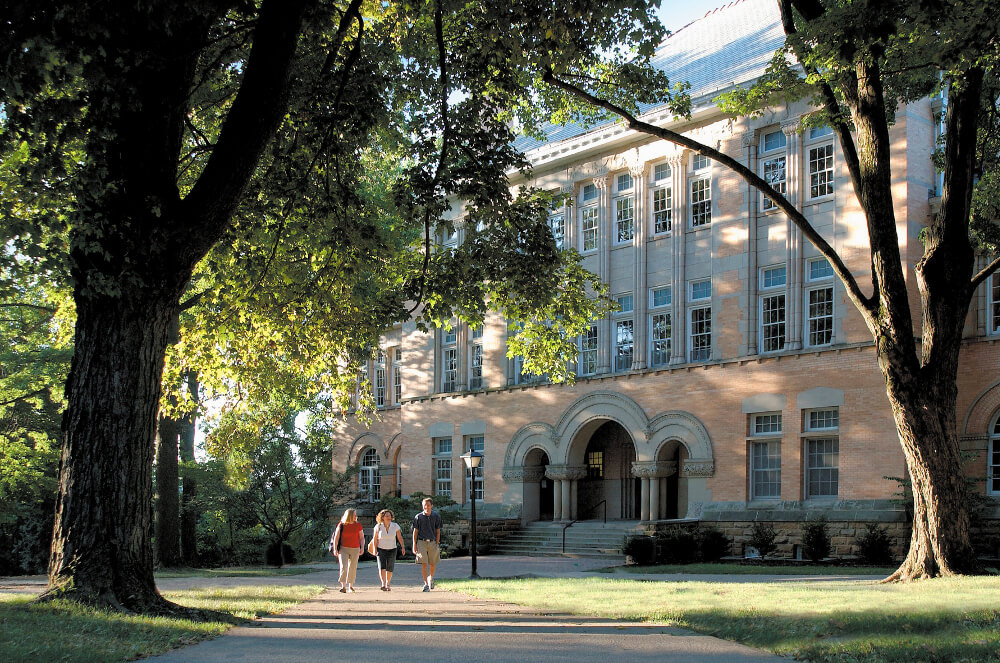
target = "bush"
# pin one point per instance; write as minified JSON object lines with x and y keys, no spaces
{"x":874,"y":546}
{"x":678,"y":547}
{"x":642,"y":549}
{"x":279,"y":554}
{"x":762,"y":538}
{"x":816,"y":540}
{"x":713,"y":545}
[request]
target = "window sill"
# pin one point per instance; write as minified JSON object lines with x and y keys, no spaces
{"x":820,"y":199}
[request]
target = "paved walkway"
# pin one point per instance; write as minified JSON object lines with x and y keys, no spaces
{"x":409,"y":625}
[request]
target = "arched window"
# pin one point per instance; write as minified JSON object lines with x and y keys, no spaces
{"x":369,"y":485}
{"x":993,"y":458}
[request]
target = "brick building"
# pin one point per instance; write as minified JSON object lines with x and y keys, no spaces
{"x":738,"y":382}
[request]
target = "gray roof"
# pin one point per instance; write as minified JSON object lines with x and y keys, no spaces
{"x":728,"y":46}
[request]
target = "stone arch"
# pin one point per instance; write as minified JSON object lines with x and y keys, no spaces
{"x":363,"y":441}
{"x":683,"y":427}
{"x":396,"y":443}
{"x":982,"y":410}
{"x":533,"y":436}
{"x":592,"y":410}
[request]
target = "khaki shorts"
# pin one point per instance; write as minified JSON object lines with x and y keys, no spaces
{"x":428,"y":552}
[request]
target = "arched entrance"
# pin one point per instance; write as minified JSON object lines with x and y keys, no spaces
{"x":538,"y":487}
{"x":608,"y":454}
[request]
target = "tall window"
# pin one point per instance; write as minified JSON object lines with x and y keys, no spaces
{"x":557,"y":222}
{"x":765,"y":456}
{"x":819,"y":304}
{"x":773,"y":161}
{"x":662,"y":198}
{"x":821,"y":171}
{"x":380,"y":386}
{"x":595,"y":464}
{"x":588,"y":223}
{"x":993,"y":460}
{"x":659,"y":326}
{"x":623,"y":345}
{"x":369,"y":481}
{"x":588,"y":351}
{"x":701,"y":202}
{"x":772,"y":308}
{"x":700,"y":321}
{"x":994,"y":307}
{"x":625,"y":218}
{"x":476,"y":489}
{"x":397,"y":379}
{"x":442,"y":466}
{"x":449,"y":360}
{"x":822,"y":452}
{"x":476,"y":366}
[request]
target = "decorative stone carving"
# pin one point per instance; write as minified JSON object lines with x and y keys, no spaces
{"x":698,"y":467}
{"x":565,"y":472}
{"x":523,"y":474}
{"x":651,"y":469}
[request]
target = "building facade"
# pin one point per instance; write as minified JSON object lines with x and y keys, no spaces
{"x":737,"y":383}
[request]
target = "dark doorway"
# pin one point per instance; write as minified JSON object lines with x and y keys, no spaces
{"x":609,"y":457}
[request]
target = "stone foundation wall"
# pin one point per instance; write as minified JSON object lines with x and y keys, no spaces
{"x":490,"y":532}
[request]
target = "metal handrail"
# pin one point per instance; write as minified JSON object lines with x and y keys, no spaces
{"x":573,"y":522}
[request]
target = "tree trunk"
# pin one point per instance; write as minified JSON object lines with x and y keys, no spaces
{"x":100,"y":546}
{"x":189,"y":508}
{"x":167,"y":508}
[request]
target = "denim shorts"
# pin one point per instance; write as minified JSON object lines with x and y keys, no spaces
{"x":387,"y":559}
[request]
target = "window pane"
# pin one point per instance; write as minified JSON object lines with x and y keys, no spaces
{"x":822,"y":473}
{"x":765,"y":470}
{"x":774,"y":174}
{"x":558,"y":225}
{"x":701,"y":202}
{"x":701,"y":290}
{"x":819,"y":132}
{"x":700,"y":161}
{"x":476,"y":368}
{"x":589,"y":192}
{"x":662,"y":210}
{"x":772,"y":323}
{"x":701,"y":334}
{"x":661,"y":171}
{"x":772,"y":277}
{"x":820,"y":269}
{"x":589,"y":223}
{"x":595,"y":464}
{"x":661,"y":297}
{"x":660,"y":339}
{"x":774,"y":140}
{"x":766,"y":424}
{"x":820,"y":316}
{"x":823,"y":419}
{"x":995,"y":304}
{"x":821,"y":171}
{"x":449,"y":369}
{"x":588,"y":352}
{"x":625,"y":303}
{"x":624,"y":182}
{"x":625,"y":218}
{"x":623,"y":345}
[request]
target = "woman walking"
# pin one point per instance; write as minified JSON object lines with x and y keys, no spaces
{"x":386,"y":534}
{"x":347,"y":544}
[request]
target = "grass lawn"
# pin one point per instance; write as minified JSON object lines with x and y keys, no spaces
{"x":61,"y":631}
{"x":237,"y":572}
{"x":945,"y":620}
{"x":756,"y":569}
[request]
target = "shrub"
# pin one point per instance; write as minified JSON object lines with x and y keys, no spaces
{"x":279,"y":554}
{"x":762,"y":537}
{"x":642,"y":549}
{"x":874,"y":546}
{"x":713,"y":545}
{"x":678,"y":547}
{"x":816,"y":540}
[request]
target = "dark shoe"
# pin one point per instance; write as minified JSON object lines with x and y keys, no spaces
{"x":343,"y":590}
{"x":426,"y":588}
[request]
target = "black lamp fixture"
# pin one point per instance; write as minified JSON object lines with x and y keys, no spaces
{"x":472,"y":460}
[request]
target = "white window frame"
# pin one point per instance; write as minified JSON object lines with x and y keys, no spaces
{"x":993,"y":304}
{"x":475,"y":443}
{"x":557,"y":224}
{"x":700,"y":205}
{"x":369,"y":479}
{"x":449,"y":368}
{"x":660,"y":346}
{"x":813,"y":330}
{"x":820,"y":182}
{"x":380,"y":387}
{"x":774,"y":174}
{"x":624,"y":339}
{"x":624,"y":207}
{"x":442,"y":465}
{"x":773,"y":309}
{"x":590,"y":225}
{"x":820,"y":425}
{"x":589,"y":344}
{"x":661,"y":211}
{"x":699,"y":306}
{"x":476,"y":366}
{"x":993,"y":458}
{"x":765,"y":431}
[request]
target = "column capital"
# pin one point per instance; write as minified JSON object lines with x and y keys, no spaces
{"x":512,"y":474}
{"x":654,"y":469}
{"x":698,"y":467}
{"x":565,"y":472}
{"x":602,"y":181}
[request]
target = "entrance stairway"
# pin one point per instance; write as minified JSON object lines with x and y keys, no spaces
{"x":585,"y":538}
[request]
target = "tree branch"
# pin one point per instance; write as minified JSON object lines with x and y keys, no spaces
{"x":985,"y":273}
{"x":853,"y":290}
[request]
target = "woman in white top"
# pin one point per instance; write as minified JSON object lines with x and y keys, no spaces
{"x":386,"y":534}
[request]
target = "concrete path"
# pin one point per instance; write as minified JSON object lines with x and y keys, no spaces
{"x":407,"y":624}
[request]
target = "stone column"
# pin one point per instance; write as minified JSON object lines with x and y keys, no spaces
{"x":793,"y":186}
{"x":575,"y":473}
{"x":557,"y":499}
{"x":565,"y":477}
{"x":678,"y":224}
{"x":640,"y":297}
{"x":462,"y":355}
{"x":697,"y":472}
{"x":652,"y":474}
{"x":753,"y":209}
{"x":605,"y":220}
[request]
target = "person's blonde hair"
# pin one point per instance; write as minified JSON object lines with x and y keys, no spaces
{"x":381,"y":513}
{"x":349,"y":516}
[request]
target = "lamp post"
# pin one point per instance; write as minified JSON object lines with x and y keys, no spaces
{"x":472,"y":460}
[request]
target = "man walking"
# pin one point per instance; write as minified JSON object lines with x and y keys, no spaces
{"x":427,"y":540}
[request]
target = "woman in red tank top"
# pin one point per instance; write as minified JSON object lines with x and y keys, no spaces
{"x":346,"y":544}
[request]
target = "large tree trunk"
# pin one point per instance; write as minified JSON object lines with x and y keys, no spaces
{"x":100,"y":547}
{"x":189,"y":499}
{"x":167,"y":507}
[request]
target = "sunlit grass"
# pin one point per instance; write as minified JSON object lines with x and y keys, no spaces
{"x":238,"y":572}
{"x":751,"y":569}
{"x":946,"y":620}
{"x":64,"y":631}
